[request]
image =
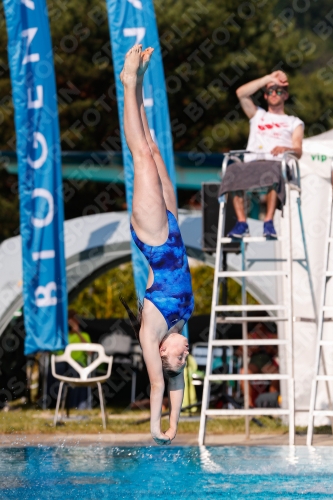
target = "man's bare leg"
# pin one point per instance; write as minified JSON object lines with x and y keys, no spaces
{"x":238,"y":202}
{"x":167,"y":187}
{"x":271,"y":204}
{"x":149,"y":211}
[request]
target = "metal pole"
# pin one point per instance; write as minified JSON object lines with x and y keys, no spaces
{"x":89,"y":391}
{"x":212,"y":325}
{"x":314,"y":300}
{"x":327,"y":385}
{"x":319,"y":352}
{"x":224,"y":302}
{"x":245,"y":350}
{"x":224,"y":280}
{"x":290,"y":347}
{"x":321,"y":334}
{"x":45,"y":358}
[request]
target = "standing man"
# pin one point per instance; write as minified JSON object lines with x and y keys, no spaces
{"x":272,"y":133}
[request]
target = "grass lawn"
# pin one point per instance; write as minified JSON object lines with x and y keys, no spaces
{"x":21,"y":420}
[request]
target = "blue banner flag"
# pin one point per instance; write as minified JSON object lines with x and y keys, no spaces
{"x":133,"y":21}
{"x":40,"y":179}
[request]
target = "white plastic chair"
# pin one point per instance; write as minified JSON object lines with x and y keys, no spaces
{"x":84,"y":372}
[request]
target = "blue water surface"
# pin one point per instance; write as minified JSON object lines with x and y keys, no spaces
{"x":175,"y":473}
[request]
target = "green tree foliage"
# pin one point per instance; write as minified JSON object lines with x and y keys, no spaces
{"x":101,"y":298}
{"x":226,"y":44}
{"x":304,"y":15}
{"x":84,"y":75}
{"x":209,"y":49}
{"x":7,"y":133}
{"x":262,"y":36}
{"x":9,"y":209}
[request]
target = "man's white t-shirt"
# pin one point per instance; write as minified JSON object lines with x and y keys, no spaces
{"x":268,"y":130}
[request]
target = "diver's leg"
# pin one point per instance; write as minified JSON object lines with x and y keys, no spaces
{"x":149,"y":216}
{"x":167,"y":187}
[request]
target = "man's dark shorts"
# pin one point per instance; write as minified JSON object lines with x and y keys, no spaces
{"x":241,"y":176}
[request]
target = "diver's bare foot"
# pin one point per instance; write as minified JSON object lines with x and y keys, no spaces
{"x":144,"y":62}
{"x":128,"y":75}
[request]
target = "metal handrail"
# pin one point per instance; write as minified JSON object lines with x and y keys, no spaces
{"x":289,"y":159}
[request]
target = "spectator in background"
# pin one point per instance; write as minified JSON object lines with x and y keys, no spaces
{"x":272,"y":133}
{"x":263,"y":359}
{"x":75,"y":336}
{"x":190,"y":395}
{"x":77,"y":397}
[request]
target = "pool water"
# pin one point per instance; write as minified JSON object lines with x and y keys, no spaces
{"x":169,"y":473}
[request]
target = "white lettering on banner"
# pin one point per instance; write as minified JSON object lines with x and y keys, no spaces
{"x":139,"y":33}
{"x":153,"y":135}
{"x":44,"y":254}
{"x":39,"y":138}
{"x":136,"y":3}
{"x":46,"y":291}
{"x":147,"y":102}
{"x":30,"y":34}
{"x":38,"y":103}
{"x":28,"y":3}
{"x":43,"y":193}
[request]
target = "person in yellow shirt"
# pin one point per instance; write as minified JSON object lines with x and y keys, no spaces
{"x":75,"y":336}
{"x":77,"y":396}
{"x":190,"y":396}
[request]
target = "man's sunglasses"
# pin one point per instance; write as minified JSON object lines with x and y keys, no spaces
{"x":277,"y":91}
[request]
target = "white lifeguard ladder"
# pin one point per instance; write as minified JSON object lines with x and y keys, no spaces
{"x":321,"y":343}
{"x":283,"y":312}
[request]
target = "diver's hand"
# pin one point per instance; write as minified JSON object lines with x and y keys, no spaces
{"x":161,"y":438}
{"x":171,"y":433}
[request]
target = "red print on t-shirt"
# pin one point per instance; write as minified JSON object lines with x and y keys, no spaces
{"x":272,"y":125}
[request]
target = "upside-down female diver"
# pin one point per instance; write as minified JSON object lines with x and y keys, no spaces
{"x":168,"y":301}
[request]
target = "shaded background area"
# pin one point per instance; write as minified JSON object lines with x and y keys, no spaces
{"x":100,"y":315}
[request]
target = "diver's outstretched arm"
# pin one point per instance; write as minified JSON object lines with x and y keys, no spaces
{"x":176,"y":394}
{"x":151,"y":355}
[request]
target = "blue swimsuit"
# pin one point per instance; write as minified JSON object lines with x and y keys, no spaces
{"x":171,"y":291}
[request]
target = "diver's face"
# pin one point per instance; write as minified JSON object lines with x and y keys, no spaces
{"x":175,"y":347}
